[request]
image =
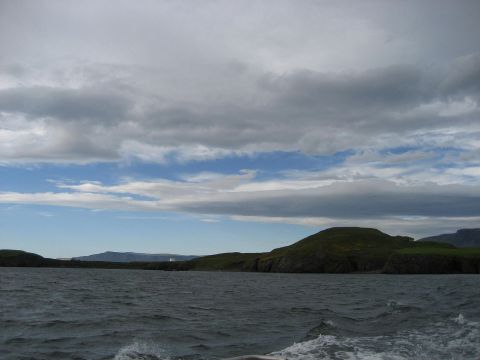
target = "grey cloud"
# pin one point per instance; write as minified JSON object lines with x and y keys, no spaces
{"x":64,"y":103}
{"x":189,"y":77}
{"x":15,"y":70}
{"x":357,"y":200}
{"x":304,"y":110}
{"x":463,"y":78}
{"x":382,"y":87}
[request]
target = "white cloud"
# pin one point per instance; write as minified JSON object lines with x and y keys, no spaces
{"x":322,"y":198}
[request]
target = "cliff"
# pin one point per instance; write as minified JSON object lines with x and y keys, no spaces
{"x":434,"y":261}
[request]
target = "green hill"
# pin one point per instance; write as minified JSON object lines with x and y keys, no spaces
{"x":20,"y":258}
{"x":335,"y":250}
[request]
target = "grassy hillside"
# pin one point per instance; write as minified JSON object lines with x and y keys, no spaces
{"x":226,"y":261}
{"x":335,"y":250}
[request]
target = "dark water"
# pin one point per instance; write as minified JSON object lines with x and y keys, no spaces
{"x":120,"y":314}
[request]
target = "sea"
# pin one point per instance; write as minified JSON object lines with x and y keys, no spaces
{"x":125,"y":314}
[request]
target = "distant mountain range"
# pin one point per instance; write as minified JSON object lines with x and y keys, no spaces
{"x":463,"y":238}
{"x":112,"y":256}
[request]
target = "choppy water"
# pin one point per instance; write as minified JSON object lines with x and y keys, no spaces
{"x":125,"y":315}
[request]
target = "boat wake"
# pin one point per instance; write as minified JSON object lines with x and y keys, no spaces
{"x":142,"y":351}
{"x":456,"y":338}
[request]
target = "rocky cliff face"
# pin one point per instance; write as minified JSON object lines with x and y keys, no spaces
{"x":431,"y":264}
{"x":318,"y":263}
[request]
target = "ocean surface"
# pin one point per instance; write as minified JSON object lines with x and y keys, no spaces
{"x":123,"y":314}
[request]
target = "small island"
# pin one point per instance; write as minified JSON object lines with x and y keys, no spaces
{"x":334,"y":250}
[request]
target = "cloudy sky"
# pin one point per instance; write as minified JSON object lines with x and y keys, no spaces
{"x":170,"y":126}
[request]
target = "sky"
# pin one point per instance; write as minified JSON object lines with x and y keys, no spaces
{"x":175,"y":126}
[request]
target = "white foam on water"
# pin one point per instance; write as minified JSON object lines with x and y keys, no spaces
{"x":328,"y":347}
{"x":460,"y":319}
{"x":457,"y":339}
{"x":141,"y":350}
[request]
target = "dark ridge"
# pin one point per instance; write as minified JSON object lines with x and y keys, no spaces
{"x":112,"y":256}
{"x":463,"y":238}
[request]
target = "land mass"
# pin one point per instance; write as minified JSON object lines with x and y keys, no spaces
{"x":335,"y":250}
{"x":113,"y":256}
{"x":463,"y":238}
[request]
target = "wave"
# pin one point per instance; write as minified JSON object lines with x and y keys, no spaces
{"x":456,"y":338}
{"x":140,"y":350}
